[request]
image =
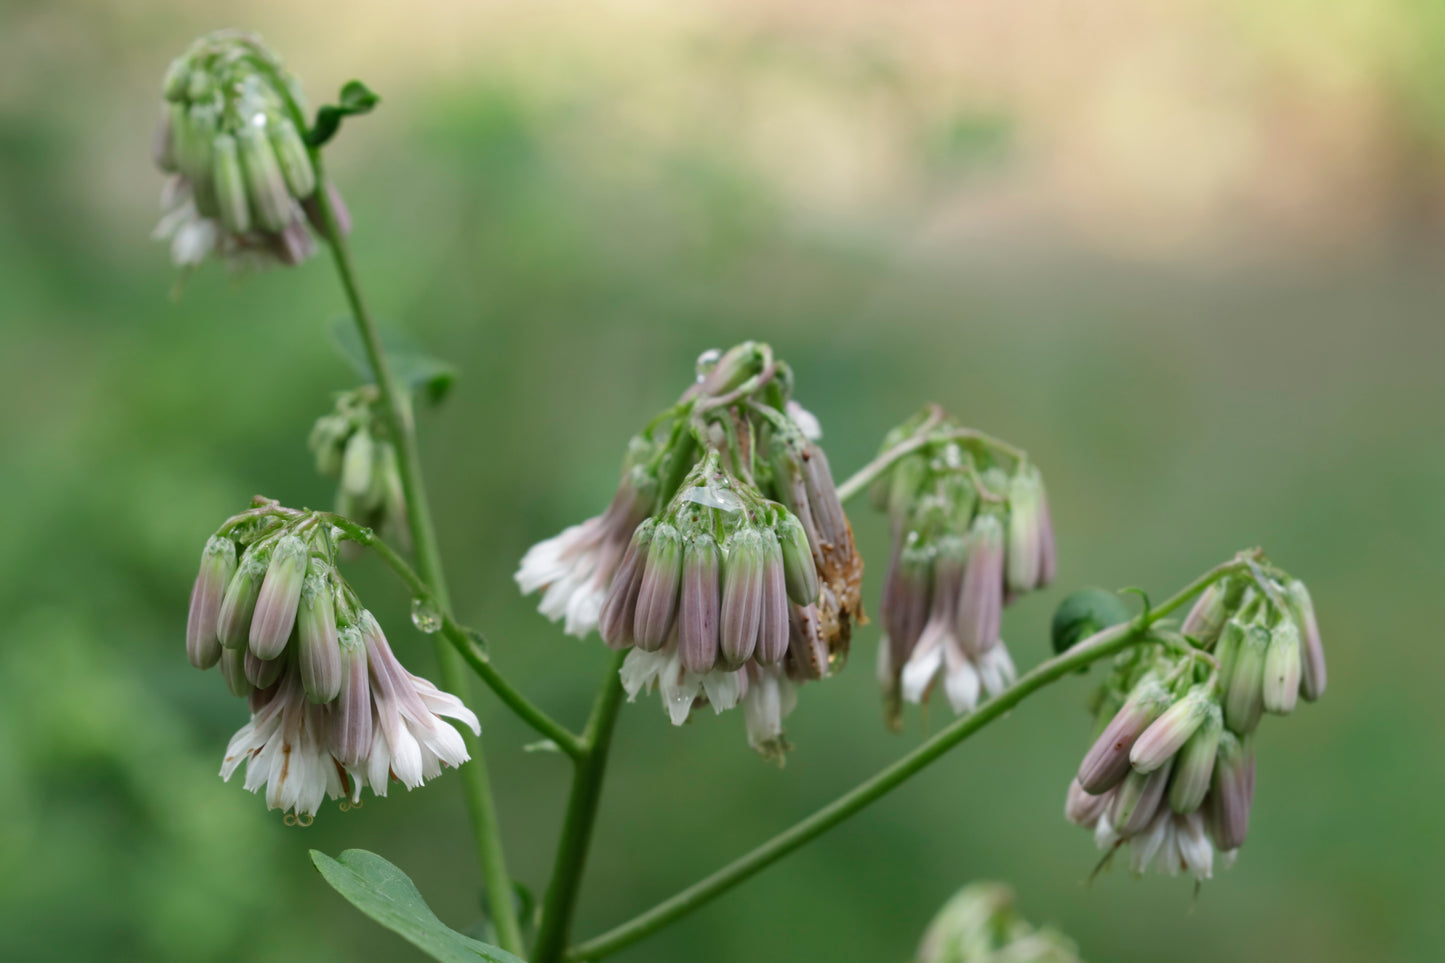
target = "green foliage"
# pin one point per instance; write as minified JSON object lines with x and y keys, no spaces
{"x":356,"y":98}
{"x":429,"y":378}
{"x":388,"y":895}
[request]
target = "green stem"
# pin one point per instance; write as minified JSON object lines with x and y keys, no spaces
{"x":1097,"y":646}
{"x":462,"y":639}
{"x":396,"y":403}
{"x":568,"y":867}
{"x":866,"y":475}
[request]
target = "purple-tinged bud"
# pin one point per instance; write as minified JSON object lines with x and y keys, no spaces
{"x":292,"y":157}
{"x":1206,"y":619}
{"x":773,"y":623}
{"x":907,"y":595}
{"x":657,"y":595}
{"x":619,"y":609}
{"x":261,"y":673}
{"x":230,"y":185}
{"x":807,"y":649}
{"x":1282,"y":668}
{"x":280,"y":594}
{"x":1231,"y":792}
{"x":233,"y":670}
{"x":1048,"y":551}
{"x":697,"y":626}
{"x":311,"y":206}
{"x":1244,"y":692}
{"x":1167,"y":734}
{"x":351,"y":716}
{"x":832,"y":522}
{"x":233,"y":620}
{"x":356,"y":464}
{"x":270,"y":201}
{"x":218,"y":564}
{"x":980,"y":606}
{"x":742,"y":600}
{"x":1195,"y":766}
{"x":318,"y":649}
{"x":1312,"y":668}
{"x":1107,"y":762}
{"x":1137,"y":800}
{"x":799,"y":569}
{"x":292,"y":244}
{"x":1025,"y":544}
{"x":1084,"y":808}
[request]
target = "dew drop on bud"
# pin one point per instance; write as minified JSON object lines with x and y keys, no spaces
{"x":425,"y":617}
{"x":707,"y":361}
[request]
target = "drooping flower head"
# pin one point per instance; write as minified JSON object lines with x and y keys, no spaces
{"x":1171,"y":769}
{"x":241,"y":185}
{"x":332,"y":709}
{"x":725,"y":563}
{"x":971,"y":532}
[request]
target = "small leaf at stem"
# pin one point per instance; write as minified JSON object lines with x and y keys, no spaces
{"x":388,"y":896}
{"x":356,"y":98}
{"x":427,"y":377}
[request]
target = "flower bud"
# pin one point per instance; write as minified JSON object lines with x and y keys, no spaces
{"x":318,"y":648}
{"x":351,"y":716}
{"x":1282,"y":668}
{"x":261,"y":673}
{"x":269,"y":198}
{"x":1206,"y":619}
{"x":1195,"y":766}
{"x":729,"y":370}
{"x":1107,"y":762}
{"x":807,"y":649}
{"x":1167,"y":734}
{"x":657,"y":595}
{"x":836,"y":537}
{"x":218,"y":564}
{"x":292,"y":157}
{"x":697,"y":627}
{"x":742,"y":600}
{"x":1137,"y":799}
{"x":356,"y":464}
{"x":1025,"y":544}
{"x":233,"y":621}
{"x":1312,"y":668}
{"x":233,"y":670}
{"x":980,"y":606}
{"x":907,"y":596}
{"x":1231,"y":792}
{"x":1083,"y":808}
{"x":799,"y":569}
{"x":773,"y":622}
{"x":275,"y":613}
{"x":903,"y":485}
{"x":619,"y":609}
{"x":1244,"y":694}
{"x":229,"y":184}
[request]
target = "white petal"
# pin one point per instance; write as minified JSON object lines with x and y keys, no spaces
{"x":920,"y":670}
{"x":724,"y":688}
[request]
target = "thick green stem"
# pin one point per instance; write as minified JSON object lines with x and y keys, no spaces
{"x":397,"y":405}
{"x":1090,"y":650}
{"x":571,"y":860}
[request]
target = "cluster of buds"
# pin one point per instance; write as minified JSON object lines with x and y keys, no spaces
{"x":971,"y":532}
{"x":725,"y":561}
{"x":351,"y":445}
{"x":242,"y":184}
{"x":979,"y":924}
{"x":1171,"y":771}
{"x":332,"y":709}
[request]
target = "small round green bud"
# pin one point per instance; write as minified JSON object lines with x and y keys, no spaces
{"x":1083,"y":613}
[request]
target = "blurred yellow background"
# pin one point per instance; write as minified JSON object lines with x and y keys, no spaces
{"x":1189,"y":255}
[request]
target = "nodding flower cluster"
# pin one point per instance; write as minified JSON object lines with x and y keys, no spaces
{"x":351,"y":445}
{"x":241,"y":182}
{"x":971,"y":532}
{"x":332,"y":710}
{"x":1171,"y":772}
{"x":979,"y":924}
{"x":725,"y":561}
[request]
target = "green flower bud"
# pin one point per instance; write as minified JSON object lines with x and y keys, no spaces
{"x":269,"y":198}
{"x":1312,"y":669}
{"x":1244,"y":695}
{"x":233,"y":621}
{"x":799,"y":569}
{"x":1167,"y":734}
{"x":1195,"y":765}
{"x":291,"y":154}
{"x":230,"y":186}
{"x":1282,"y":668}
{"x":218,"y":564}
{"x":1206,"y":619}
{"x":1137,"y":799}
{"x":318,"y":646}
{"x":233,"y":670}
{"x":357,"y":463}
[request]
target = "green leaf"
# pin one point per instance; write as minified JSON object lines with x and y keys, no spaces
{"x":389,"y":897}
{"x":427,"y":377}
{"x":356,"y":98}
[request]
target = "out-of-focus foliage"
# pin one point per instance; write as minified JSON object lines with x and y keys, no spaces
{"x":1188,"y":255}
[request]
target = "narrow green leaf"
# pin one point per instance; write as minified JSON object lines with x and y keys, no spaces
{"x":389,"y":897}
{"x":356,"y":98}
{"x":425,"y":376}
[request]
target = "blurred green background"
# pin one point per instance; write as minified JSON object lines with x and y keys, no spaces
{"x":1189,"y":256}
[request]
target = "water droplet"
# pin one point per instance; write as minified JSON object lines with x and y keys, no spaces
{"x":707,"y":361}
{"x":480,"y":642}
{"x":425,"y":616}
